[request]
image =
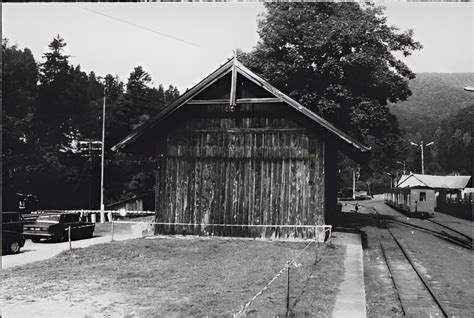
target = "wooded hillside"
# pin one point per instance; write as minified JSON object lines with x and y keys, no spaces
{"x":436,"y":96}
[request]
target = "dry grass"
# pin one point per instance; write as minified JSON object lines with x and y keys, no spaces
{"x":171,"y":276}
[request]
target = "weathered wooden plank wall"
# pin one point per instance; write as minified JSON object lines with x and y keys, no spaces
{"x":252,"y":167}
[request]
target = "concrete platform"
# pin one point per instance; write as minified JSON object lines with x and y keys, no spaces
{"x":350,"y":300}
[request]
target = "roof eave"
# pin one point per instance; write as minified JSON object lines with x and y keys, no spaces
{"x":217,"y":74}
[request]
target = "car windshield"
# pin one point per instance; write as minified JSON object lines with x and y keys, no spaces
{"x":52,"y":218}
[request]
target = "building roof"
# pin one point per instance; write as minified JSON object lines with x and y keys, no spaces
{"x":235,"y":67}
{"x":402,"y":178}
{"x":133,"y":198}
{"x":435,"y":182}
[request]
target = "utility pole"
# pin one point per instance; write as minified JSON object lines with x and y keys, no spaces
{"x":102,"y":213}
{"x":353,"y":184}
{"x":90,"y":176}
{"x":87,"y":149}
{"x":422,"y":153}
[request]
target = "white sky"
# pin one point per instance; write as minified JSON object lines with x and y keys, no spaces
{"x":106,"y":45}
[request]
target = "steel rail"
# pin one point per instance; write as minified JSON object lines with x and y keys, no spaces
{"x":391,"y":276}
{"x":425,"y":283}
{"x":451,"y":229}
{"x":454,"y":240}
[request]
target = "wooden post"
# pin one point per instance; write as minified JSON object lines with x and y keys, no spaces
{"x":233,"y":88}
{"x":69,"y":235}
{"x":112,"y":232}
{"x":288,"y":293}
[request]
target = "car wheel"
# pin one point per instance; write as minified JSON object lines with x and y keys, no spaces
{"x":14,"y":247}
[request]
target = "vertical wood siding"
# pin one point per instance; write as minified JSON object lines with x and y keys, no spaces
{"x":244,"y":168}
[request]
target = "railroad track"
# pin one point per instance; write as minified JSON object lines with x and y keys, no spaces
{"x":465,"y":242}
{"x":467,"y":237}
{"x":416,"y":296}
{"x":455,"y":237}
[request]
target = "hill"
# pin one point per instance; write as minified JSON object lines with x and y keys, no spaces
{"x":436,"y":96}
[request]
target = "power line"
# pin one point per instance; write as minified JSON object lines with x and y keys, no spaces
{"x":137,"y":26}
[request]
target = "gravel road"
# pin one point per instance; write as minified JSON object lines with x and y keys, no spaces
{"x":33,"y":252}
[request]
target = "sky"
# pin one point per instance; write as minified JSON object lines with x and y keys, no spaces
{"x":181,"y":43}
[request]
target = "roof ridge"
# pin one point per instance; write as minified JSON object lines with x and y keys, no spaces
{"x":250,"y":75}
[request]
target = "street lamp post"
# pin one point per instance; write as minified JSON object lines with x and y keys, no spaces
{"x":102,"y":213}
{"x":422,"y":153}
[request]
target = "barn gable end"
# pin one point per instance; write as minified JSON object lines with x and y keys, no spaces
{"x":235,"y":155}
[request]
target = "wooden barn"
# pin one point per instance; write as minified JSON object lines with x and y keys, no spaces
{"x":236,"y":156}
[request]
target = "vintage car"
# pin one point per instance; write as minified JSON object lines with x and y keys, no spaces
{"x":12,"y":237}
{"x":12,"y":242}
{"x":55,"y":226}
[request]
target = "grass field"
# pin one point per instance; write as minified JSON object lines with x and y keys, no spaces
{"x":171,"y":276}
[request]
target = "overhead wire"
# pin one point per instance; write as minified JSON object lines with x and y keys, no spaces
{"x":137,"y":26}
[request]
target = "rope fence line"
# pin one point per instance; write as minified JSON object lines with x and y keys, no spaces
{"x":327,"y":228}
{"x":291,"y":262}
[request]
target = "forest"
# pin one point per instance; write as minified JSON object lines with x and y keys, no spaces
{"x":320,"y":54}
{"x":50,"y":106}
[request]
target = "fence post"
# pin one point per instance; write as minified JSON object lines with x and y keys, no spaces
{"x":288,"y":293}
{"x":112,"y":232}
{"x":69,"y":234}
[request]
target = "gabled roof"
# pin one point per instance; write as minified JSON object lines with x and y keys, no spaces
{"x":132,"y":198}
{"x":435,"y":182}
{"x":402,"y":178}
{"x":234,"y":67}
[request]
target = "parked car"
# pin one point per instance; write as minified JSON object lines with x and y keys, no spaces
{"x":12,"y":221}
{"x":363,"y":197}
{"x":12,"y":242}
{"x":12,"y":237}
{"x":55,"y":226}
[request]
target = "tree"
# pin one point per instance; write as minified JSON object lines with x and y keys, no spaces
{"x":140,"y":102}
{"x":47,"y":105}
{"x":63,"y":93}
{"x":170,"y":95}
{"x":138,"y":82}
{"x":454,"y":136}
{"x":337,"y":59}
{"x":19,"y":95}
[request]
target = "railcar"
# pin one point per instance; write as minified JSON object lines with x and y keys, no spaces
{"x":414,"y":201}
